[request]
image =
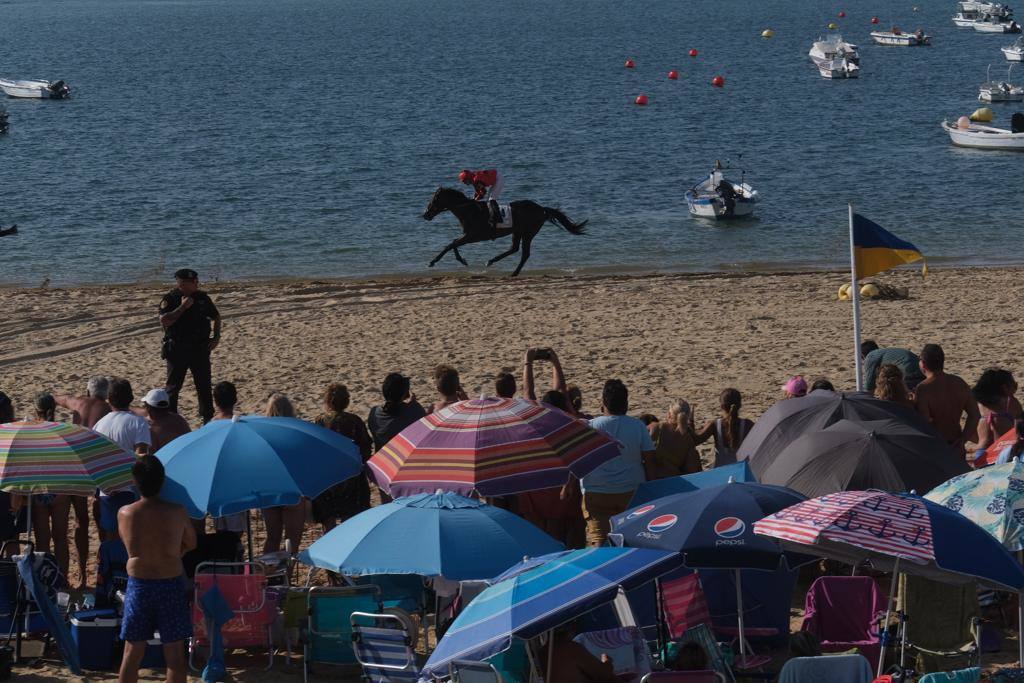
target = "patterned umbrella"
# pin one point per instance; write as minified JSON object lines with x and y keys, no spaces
{"x":992,"y":498}
{"x":491,"y":446}
{"x":893,"y":528}
{"x":56,"y":457}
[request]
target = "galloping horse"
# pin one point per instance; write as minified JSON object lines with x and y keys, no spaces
{"x":527,"y":220}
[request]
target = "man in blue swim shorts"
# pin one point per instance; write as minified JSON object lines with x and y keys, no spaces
{"x":156,"y":534}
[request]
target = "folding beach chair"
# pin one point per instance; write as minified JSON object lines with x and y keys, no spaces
{"x":292,"y":604}
{"x":245,"y":594}
{"x":847,"y":668}
{"x":403,"y":595}
{"x":683,"y":677}
{"x":683,"y":604}
{"x":465,"y":671}
{"x":38,"y":580}
{"x":327,"y":638}
{"x":843,"y":612}
{"x":383,"y":648}
{"x":702,"y":635}
{"x":626,"y":648}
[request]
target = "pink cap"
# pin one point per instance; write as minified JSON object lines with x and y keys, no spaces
{"x":796,"y":386}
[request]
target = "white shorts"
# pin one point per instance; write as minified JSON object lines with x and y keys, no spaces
{"x":495,"y":190}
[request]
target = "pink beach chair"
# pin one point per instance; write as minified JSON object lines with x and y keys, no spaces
{"x":246,"y":594}
{"x":684,"y":604}
{"x":843,"y":611}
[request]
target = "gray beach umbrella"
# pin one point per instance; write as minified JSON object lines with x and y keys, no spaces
{"x":856,"y":456}
{"x":789,"y":419}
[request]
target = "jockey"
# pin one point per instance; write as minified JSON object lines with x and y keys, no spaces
{"x":487,"y":185}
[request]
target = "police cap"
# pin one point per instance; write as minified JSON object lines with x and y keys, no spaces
{"x":185,"y":274}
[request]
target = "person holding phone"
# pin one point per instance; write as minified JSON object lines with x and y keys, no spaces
{"x":557,"y":376}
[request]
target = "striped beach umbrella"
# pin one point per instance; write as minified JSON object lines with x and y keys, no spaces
{"x":490,"y":446}
{"x":57,"y":457}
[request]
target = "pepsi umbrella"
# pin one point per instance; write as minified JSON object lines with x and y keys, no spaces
{"x":875,"y":454}
{"x":712,"y":528}
{"x":544,"y":593}
{"x":249,"y":462}
{"x":900,"y":532}
{"x":790,"y":419}
{"x":437,"y":534}
{"x":659,"y":488}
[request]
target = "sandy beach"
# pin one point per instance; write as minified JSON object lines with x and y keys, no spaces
{"x":665,"y":336}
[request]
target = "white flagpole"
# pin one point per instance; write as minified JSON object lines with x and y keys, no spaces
{"x":855,"y":295}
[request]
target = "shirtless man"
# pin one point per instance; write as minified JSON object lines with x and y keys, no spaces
{"x":90,"y":408}
{"x":942,"y":399}
{"x":156,"y":534}
{"x":165,"y":425}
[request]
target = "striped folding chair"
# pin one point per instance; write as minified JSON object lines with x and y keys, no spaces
{"x":383,"y":647}
{"x":684,"y":604}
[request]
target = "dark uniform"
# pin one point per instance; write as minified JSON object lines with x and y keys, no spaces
{"x":186,"y":348}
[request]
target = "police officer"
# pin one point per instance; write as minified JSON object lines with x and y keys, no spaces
{"x":186,"y":315}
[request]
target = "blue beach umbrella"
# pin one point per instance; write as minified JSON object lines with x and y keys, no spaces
{"x":713,"y":528}
{"x":250,"y":462}
{"x":436,"y":534}
{"x":659,"y":488}
{"x":542,"y":594}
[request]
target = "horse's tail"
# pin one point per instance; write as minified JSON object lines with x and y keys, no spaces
{"x":556,"y":216}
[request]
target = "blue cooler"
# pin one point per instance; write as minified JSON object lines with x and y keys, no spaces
{"x":94,"y":634}
{"x":154,"y":657}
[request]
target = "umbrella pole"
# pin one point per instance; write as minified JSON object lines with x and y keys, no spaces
{"x":739,"y":615}
{"x":551,"y":655}
{"x":883,"y":635}
{"x":662,"y":626}
{"x":248,"y":531}
{"x":28,"y":518}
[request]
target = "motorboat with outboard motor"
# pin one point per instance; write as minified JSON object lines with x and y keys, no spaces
{"x":717,"y":197}
{"x":971,"y":11}
{"x":57,"y":90}
{"x":838,"y":68}
{"x":898,"y":37}
{"x":1015,"y":52}
{"x":991,"y":23}
{"x":963,"y":133}
{"x":833,"y":47}
{"x":1000,"y":91}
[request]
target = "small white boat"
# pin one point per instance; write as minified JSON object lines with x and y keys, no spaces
{"x":1000,"y":91}
{"x":897,"y":37}
{"x":1015,"y":52}
{"x":718,"y":197}
{"x":991,"y":23}
{"x":967,"y":134}
{"x":971,"y":11}
{"x":838,"y":68}
{"x":56,"y":90}
{"x":833,"y":47}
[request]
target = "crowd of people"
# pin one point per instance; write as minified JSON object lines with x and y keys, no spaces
{"x":971,"y":419}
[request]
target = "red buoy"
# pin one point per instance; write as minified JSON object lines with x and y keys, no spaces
{"x":842,"y":14}
{"x":718,"y":81}
{"x":874,"y":20}
{"x":693,"y":52}
{"x":630,"y":64}
{"x":641,"y":100}
{"x":673,"y":75}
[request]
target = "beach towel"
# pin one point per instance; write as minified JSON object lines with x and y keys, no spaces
{"x":972,"y":675}
{"x":217,"y":612}
{"x":831,"y":668}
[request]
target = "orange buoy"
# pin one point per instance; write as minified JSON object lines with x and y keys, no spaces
{"x":874,"y":20}
{"x":693,"y":52}
{"x":641,"y":100}
{"x":673,"y":75}
{"x":630,"y":64}
{"x":718,"y":81}
{"x":842,"y":14}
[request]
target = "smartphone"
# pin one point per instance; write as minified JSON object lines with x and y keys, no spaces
{"x":542,"y":354}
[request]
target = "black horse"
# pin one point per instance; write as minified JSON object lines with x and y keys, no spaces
{"x":527,"y":219}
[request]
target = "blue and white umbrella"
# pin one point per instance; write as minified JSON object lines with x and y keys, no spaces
{"x":437,"y":534}
{"x":544,"y":593}
{"x":251,"y":462}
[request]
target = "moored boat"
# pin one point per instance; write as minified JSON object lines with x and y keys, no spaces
{"x":1015,"y":52}
{"x":838,"y":68}
{"x":901,"y":39}
{"x":833,"y":47}
{"x":969,"y":12}
{"x":963,"y":133}
{"x":991,"y":23}
{"x":717,"y":197}
{"x":57,"y":90}
{"x":1000,"y":91}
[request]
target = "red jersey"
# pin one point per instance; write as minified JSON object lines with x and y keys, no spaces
{"x":482,"y":180}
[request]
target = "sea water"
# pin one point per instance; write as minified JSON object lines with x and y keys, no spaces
{"x":303,"y":138}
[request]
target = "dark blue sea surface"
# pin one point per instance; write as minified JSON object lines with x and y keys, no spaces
{"x":296,"y":138}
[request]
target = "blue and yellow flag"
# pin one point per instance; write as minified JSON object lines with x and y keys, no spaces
{"x":876,"y":249}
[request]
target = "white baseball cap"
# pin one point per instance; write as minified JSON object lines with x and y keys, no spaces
{"x":157,"y":398}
